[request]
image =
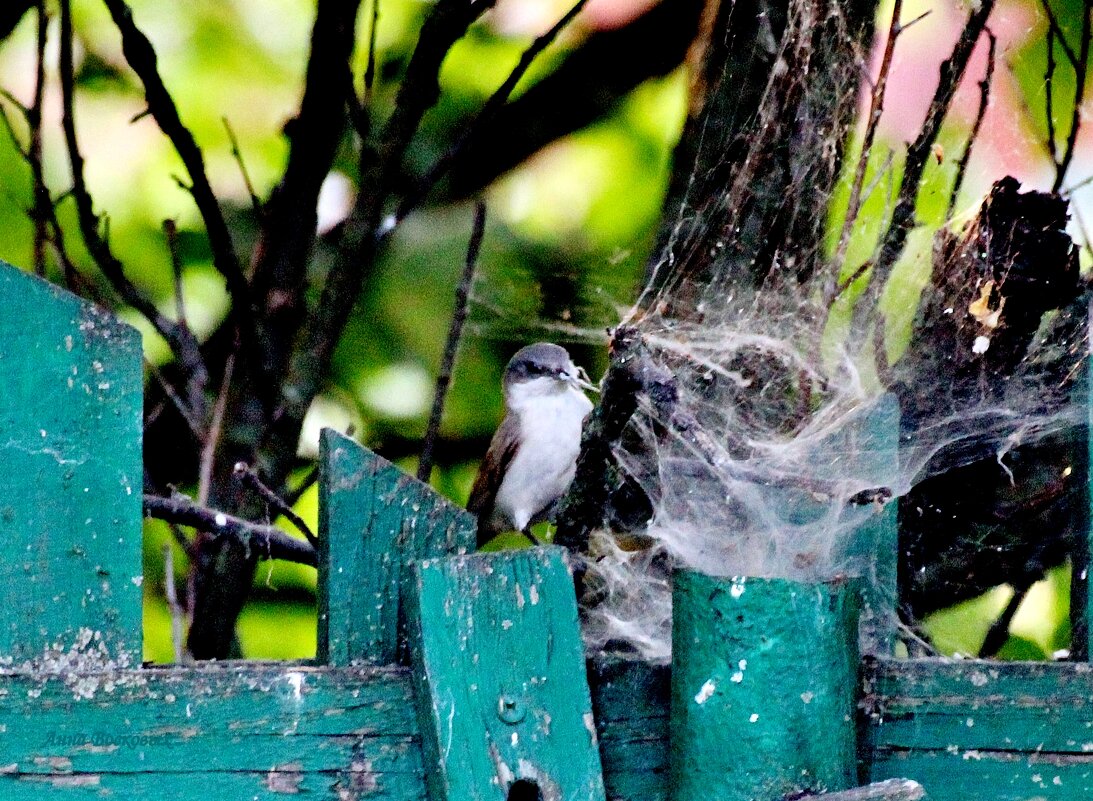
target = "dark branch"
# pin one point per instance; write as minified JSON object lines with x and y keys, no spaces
{"x":180,"y":340}
{"x":237,"y":154}
{"x":455,"y":334}
{"x":246,"y":474}
{"x":141,"y":56}
{"x":952,"y":70}
{"x":876,"y":108}
{"x":447,"y":23}
{"x":42,"y":201}
{"x":984,"y":98}
{"x":588,"y":84}
{"x":269,"y":542}
{"x":489,"y":111}
{"x":289,"y":219}
{"x":1081,"y":68}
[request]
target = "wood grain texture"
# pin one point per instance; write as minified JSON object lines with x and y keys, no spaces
{"x":242,"y":730}
{"x":969,"y":727}
{"x":70,"y":490}
{"x":631,"y":699}
{"x":499,"y":668}
{"x":374,"y":522}
{"x":764,"y":678}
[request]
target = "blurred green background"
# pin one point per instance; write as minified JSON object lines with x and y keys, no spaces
{"x":567,"y":232}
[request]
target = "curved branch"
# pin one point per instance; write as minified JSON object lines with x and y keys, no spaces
{"x":271,"y":543}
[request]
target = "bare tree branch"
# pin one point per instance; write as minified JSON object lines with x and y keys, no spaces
{"x":1081,"y":68}
{"x":984,"y":98}
{"x":267,"y":541}
{"x":42,"y":201}
{"x":289,"y":219}
{"x":181,"y":341}
{"x":141,"y":56}
{"x":951,"y":72}
{"x":246,"y":474}
{"x":488,"y":112}
{"x":455,"y":334}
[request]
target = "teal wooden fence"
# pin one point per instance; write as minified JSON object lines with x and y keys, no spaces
{"x":444,"y":675}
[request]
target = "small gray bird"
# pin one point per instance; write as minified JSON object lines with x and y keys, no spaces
{"x":533,"y":455}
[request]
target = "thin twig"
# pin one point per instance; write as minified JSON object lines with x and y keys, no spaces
{"x":950,"y":74}
{"x":1049,"y":98}
{"x":876,"y":108}
{"x":1081,"y":68}
{"x":294,"y":495}
{"x":1056,"y":29}
{"x":247,"y":475}
{"x":455,"y":334}
{"x":171,"y":594}
{"x":42,"y":200}
{"x":489,"y":110}
{"x":237,"y":154}
{"x":271,"y":542}
{"x":170,"y":230}
{"x":984,"y":98}
{"x":183,"y":541}
{"x":180,"y":405}
{"x":212,"y":438}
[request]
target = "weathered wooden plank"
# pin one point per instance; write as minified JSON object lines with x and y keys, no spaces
{"x":993,"y":775}
{"x":70,"y":491}
{"x":374,"y":522}
{"x":764,"y":677}
{"x":236,"y":727}
{"x":500,"y":675}
{"x":277,"y":784}
{"x":631,"y":700}
{"x":973,"y":705}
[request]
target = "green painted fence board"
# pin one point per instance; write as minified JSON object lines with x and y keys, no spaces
{"x":70,"y":491}
{"x":274,"y":785}
{"x":630,"y":699}
{"x":231,"y":727}
{"x":501,"y":685}
{"x":374,"y":522}
{"x":764,"y":679}
{"x":1015,"y":730}
{"x":991,"y":776}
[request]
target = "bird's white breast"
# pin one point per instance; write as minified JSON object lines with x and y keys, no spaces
{"x":544,"y":464}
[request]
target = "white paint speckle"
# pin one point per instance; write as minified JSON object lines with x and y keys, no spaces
{"x":754,"y":717}
{"x":981,"y":344}
{"x":221,"y":519}
{"x":707,"y":690}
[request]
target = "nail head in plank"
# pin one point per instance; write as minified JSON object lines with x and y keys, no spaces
{"x":502,"y":692}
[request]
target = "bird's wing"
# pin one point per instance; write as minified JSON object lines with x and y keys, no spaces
{"x":503,"y":448}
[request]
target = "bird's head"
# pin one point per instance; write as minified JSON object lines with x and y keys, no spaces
{"x":542,"y":369}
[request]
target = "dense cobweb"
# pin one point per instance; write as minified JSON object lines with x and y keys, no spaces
{"x":791,"y":450}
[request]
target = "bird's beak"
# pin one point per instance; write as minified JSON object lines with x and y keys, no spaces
{"x":580,"y":379}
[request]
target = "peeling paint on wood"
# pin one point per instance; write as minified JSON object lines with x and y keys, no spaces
{"x":374,"y":522}
{"x":501,"y":687}
{"x":70,"y":491}
{"x":232,"y":730}
{"x":1024,"y":730}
